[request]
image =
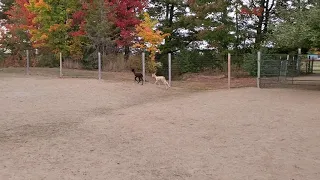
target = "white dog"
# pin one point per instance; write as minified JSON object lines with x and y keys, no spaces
{"x":162,"y":79}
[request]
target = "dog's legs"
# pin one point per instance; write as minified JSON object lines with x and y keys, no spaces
{"x":166,"y":84}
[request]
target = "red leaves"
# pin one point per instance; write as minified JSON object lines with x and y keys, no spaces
{"x":245,"y":10}
{"x":78,"y":17}
{"x":123,"y":14}
{"x":258,"y":11}
{"x":20,"y":16}
{"x":78,"y":21}
{"x":126,"y":19}
{"x":191,"y":2}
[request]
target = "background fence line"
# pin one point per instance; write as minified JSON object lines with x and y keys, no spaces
{"x":209,"y":65}
{"x":63,"y":63}
{"x":281,"y":70}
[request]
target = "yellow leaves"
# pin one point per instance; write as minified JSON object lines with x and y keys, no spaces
{"x":138,"y":46}
{"x":41,"y":4}
{"x":69,"y":22}
{"x":151,"y":38}
{"x":54,"y":27}
{"x":37,"y":4}
{"x":43,"y":37}
{"x":75,"y":48}
{"x":38,"y":45}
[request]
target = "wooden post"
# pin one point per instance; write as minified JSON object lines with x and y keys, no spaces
{"x":28,"y":63}
{"x":61,"y":65}
{"x":144,"y":66}
{"x":259,"y":69}
{"x":99,"y":65}
{"x":229,"y":70}
{"x":169,"y":68}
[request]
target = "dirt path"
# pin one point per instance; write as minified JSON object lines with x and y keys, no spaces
{"x":85,"y":129}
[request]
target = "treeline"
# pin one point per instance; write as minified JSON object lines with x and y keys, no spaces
{"x":199,"y":33}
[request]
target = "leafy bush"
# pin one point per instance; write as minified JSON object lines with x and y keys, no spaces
{"x":163,"y":69}
{"x":48,"y":60}
{"x":197,"y":61}
{"x":89,"y":61}
{"x":114,"y":62}
{"x":135,"y":62}
{"x":250,"y":64}
{"x":188,"y":61}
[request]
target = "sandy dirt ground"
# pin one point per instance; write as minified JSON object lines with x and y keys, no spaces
{"x":69,"y":129}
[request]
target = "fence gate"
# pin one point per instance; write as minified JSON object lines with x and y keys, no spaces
{"x":279,"y":70}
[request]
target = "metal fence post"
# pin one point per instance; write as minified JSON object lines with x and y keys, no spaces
{"x":28,"y":62}
{"x":229,"y":70}
{"x":286,"y":66}
{"x":259,"y":69}
{"x":144,"y":66}
{"x":99,"y":65}
{"x":169,"y":68}
{"x":61,"y":65}
{"x":299,"y":61}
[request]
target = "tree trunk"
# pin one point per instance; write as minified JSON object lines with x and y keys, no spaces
{"x":171,"y":15}
{"x":259,"y":36}
{"x":126,"y":53}
{"x":267,"y":15}
{"x":167,"y":11}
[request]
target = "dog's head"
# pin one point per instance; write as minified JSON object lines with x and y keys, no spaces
{"x":153,"y":75}
{"x":132,"y":70}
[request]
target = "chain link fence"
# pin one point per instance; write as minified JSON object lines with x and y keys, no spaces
{"x":207,"y":66}
{"x":285,"y":69}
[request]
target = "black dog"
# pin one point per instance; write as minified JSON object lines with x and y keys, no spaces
{"x":138,"y":75}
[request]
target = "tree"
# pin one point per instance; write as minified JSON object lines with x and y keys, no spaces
{"x":122,"y":16}
{"x":215,"y":23}
{"x":99,"y":27}
{"x":261,"y":12}
{"x":151,"y":38}
{"x":126,"y":19}
{"x":173,"y":19}
{"x":53,"y":20}
{"x":303,"y":30}
{"x":16,"y":35}
{"x":5,"y":6}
